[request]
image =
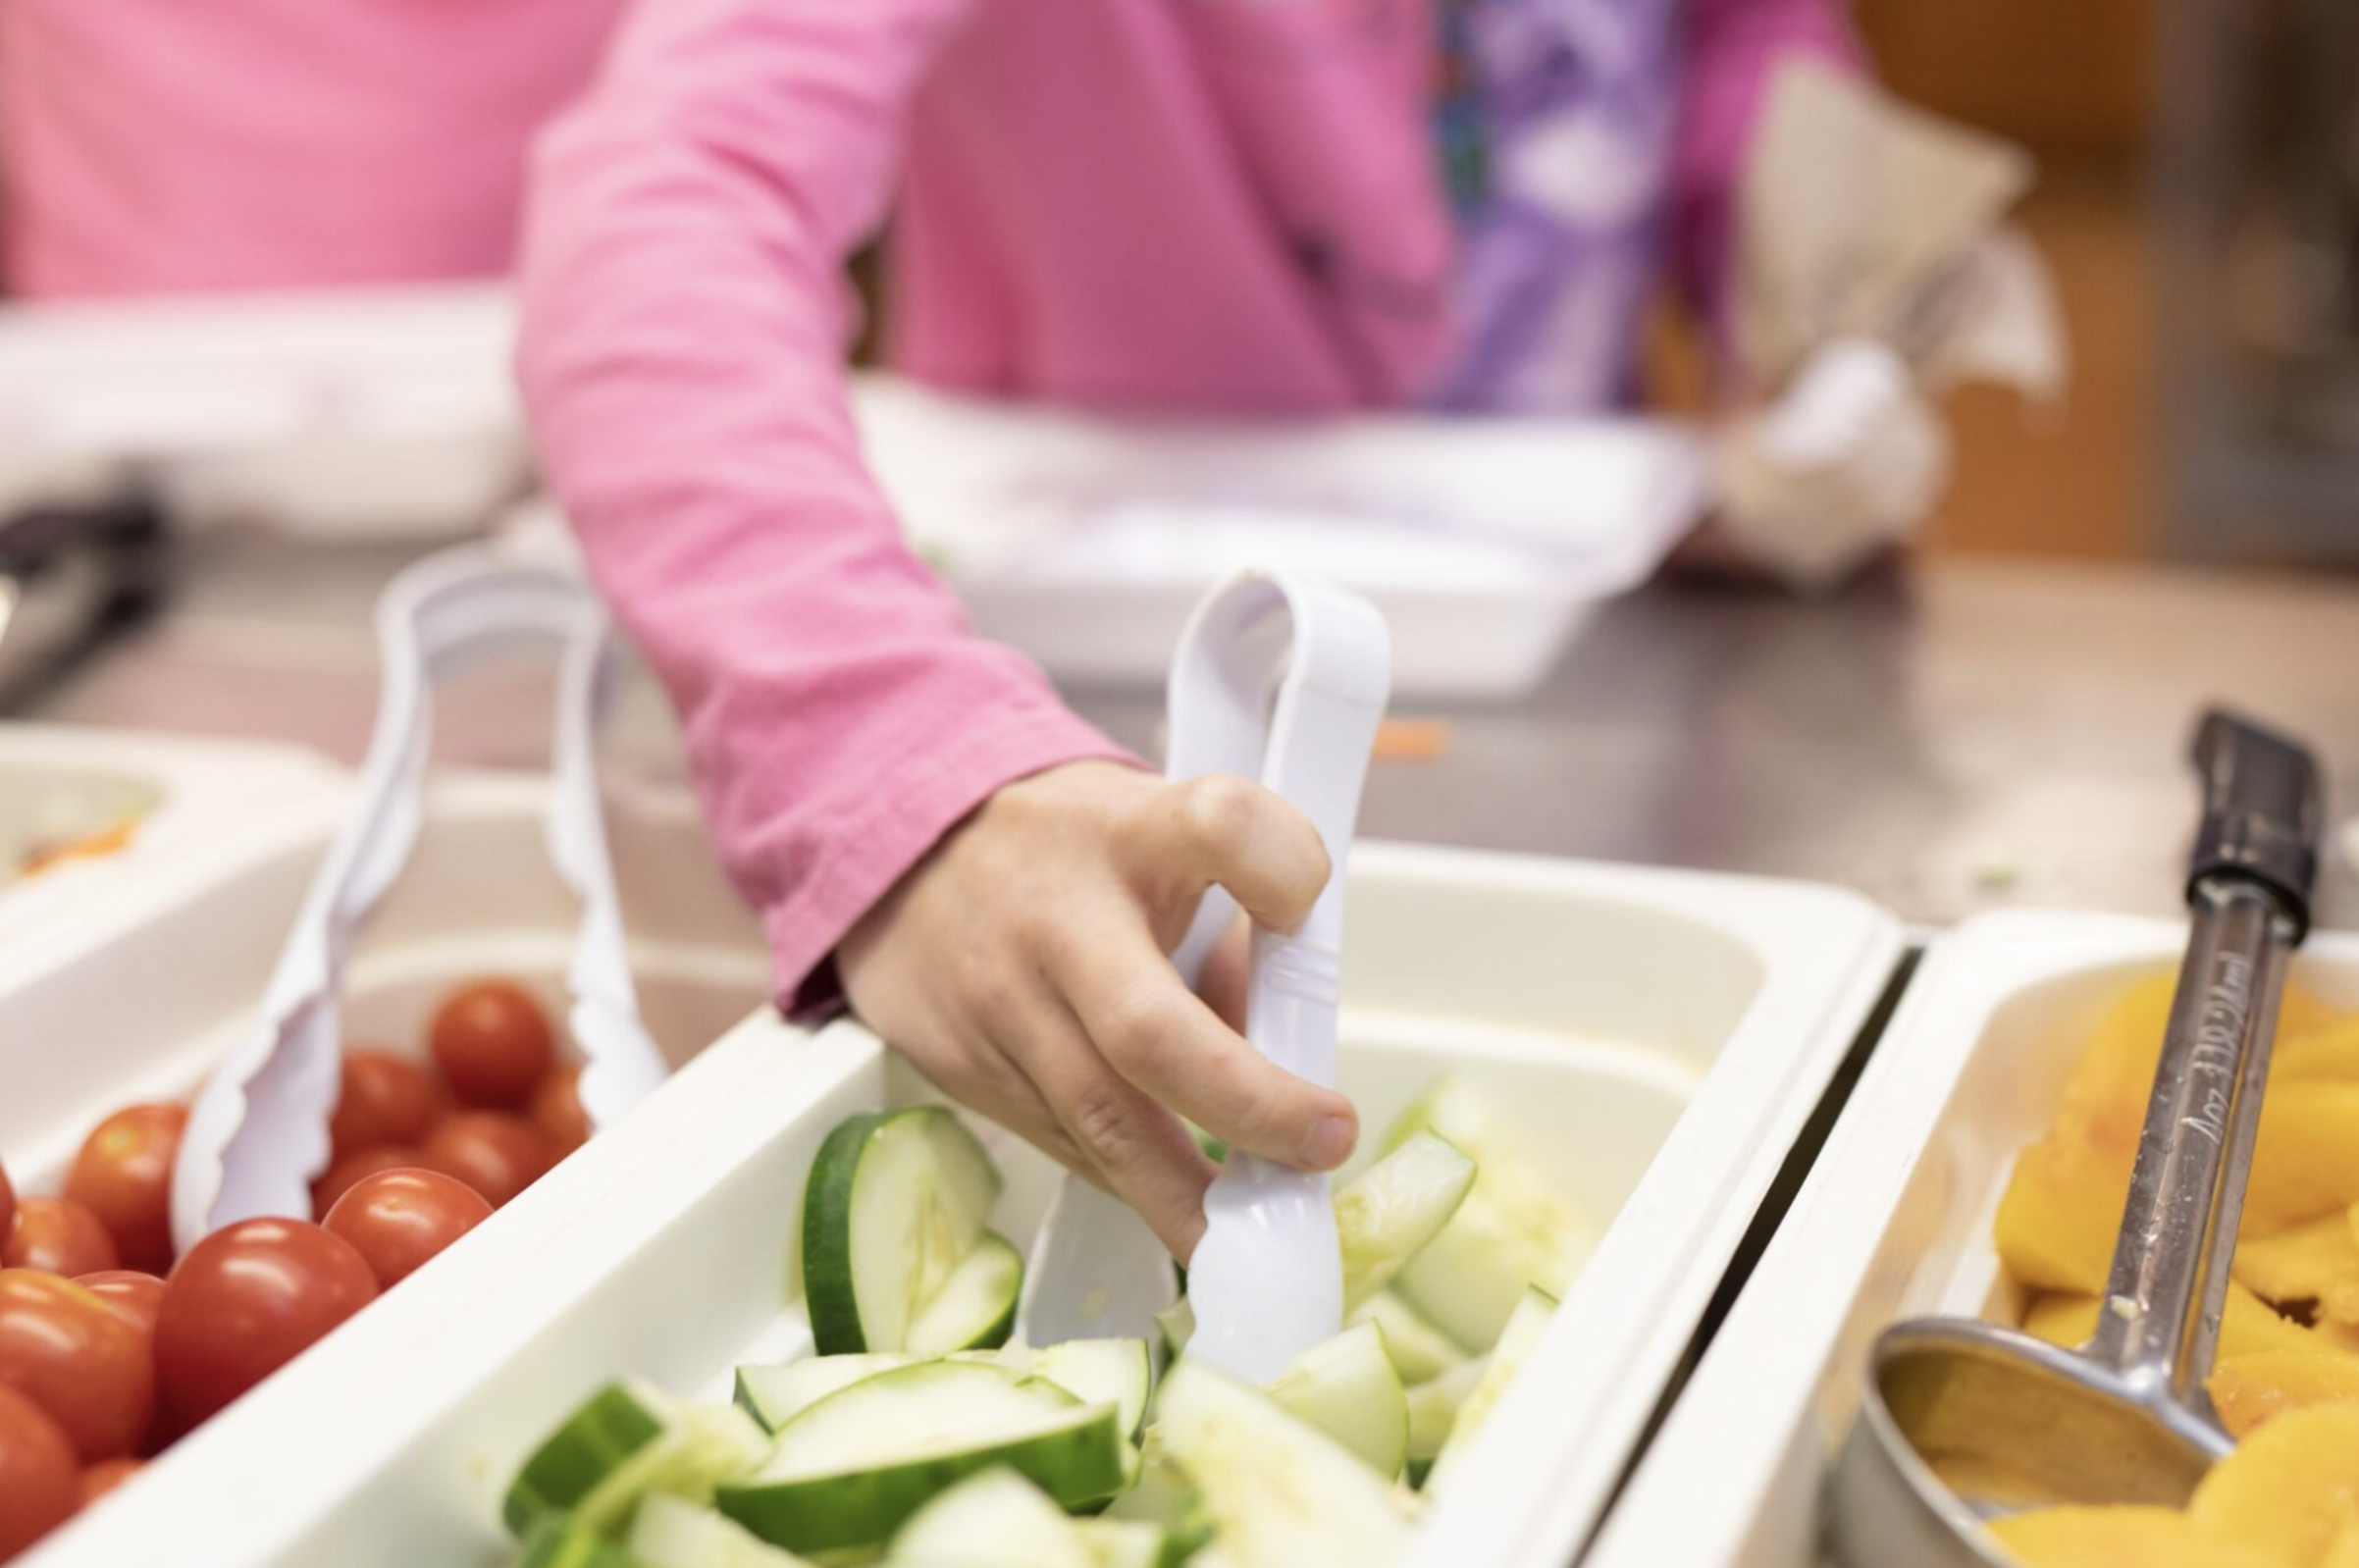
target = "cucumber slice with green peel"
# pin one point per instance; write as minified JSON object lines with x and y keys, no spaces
{"x":1434,"y":1408}
{"x":1525,"y":1327}
{"x":1386,"y":1214}
{"x":852,"y":1468}
{"x":627,"y":1441}
{"x":1348,"y":1389}
{"x":775,"y":1394}
{"x":671,"y":1534}
{"x":895,"y":1202}
{"x":1421,"y":1352}
{"x":976,"y":1308}
{"x":1515,"y":1227}
{"x":1092,"y":1371}
{"x":1280,"y":1493}
{"x":992,"y":1519}
{"x":559,"y":1540}
{"x":1101,"y":1371}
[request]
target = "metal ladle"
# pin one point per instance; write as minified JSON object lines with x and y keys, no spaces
{"x":1962,"y":1421}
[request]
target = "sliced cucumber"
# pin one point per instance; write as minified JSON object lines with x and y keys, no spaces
{"x":559,"y":1540}
{"x":976,"y":1308}
{"x":1386,"y":1214}
{"x":627,"y":1440}
{"x":1514,"y":1229}
{"x":671,"y":1534}
{"x":1165,"y":1497}
{"x":992,"y":1519}
{"x":1348,"y":1388}
{"x":1421,"y":1352}
{"x":1177,"y":1323}
{"x":1434,"y":1408}
{"x":1525,"y":1327}
{"x":1280,"y":1493}
{"x":1119,"y":1372}
{"x":776,"y":1394}
{"x":852,"y":1468}
{"x":895,"y":1203}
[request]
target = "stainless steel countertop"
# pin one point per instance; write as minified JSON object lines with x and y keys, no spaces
{"x":1965,"y":736}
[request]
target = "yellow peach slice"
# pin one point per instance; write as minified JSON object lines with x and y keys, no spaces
{"x":2289,"y":1488}
{"x":2330,"y":1053}
{"x":2123,"y":1537}
{"x":2307,"y":1162}
{"x":2250,"y":1389}
{"x":2314,"y":1261}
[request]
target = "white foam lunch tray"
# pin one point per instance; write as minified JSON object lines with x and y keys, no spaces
{"x":1893,"y":1222}
{"x":1658,"y":1036}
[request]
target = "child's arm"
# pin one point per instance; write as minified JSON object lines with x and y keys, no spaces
{"x":1732,"y":49}
{"x":685,"y":321}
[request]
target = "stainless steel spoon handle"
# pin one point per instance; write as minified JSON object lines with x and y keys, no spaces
{"x":2249,"y":885}
{"x":2170,"y":1275}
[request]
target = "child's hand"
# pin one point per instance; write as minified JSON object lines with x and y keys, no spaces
{"x":1022,"y":966}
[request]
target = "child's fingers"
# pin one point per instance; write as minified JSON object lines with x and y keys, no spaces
{"x":1230,"y":831}
{"x":1221,"y":985}
{"x":1139,"y":1151}
{"x":1163,"y":1039}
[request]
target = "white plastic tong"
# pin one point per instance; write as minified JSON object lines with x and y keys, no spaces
{"x":258,"y":1132}
{"x":1284,"y":679}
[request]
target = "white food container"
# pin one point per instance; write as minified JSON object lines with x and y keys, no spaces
{"x":60,"y":784}
{"x":1894,"y":1221}
{"x":134,"y":999}
{"x":1659,"y":1037}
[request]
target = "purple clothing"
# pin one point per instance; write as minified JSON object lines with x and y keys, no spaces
{"x":1563,"y":137}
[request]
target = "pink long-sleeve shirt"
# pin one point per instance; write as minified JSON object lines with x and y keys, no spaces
{"x":1170,"y":204}
{"x":1201,"y":204}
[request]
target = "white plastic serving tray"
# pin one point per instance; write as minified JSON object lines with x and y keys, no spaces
{"x":135,"y":998}
{"x":1893,"y":1222}
{"x":59,"y":783}
{"x":1658,"y":1036}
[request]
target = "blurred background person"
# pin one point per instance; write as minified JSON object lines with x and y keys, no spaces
{"x":154,"y":148}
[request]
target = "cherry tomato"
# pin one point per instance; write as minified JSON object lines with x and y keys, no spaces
{"x":134,"y":1298}
{"x":350,"y":1167}
{"x":557,"y":1110}
{"x":8,"y":1204}
{"x":386,"y":1098}
{"x":492,"y":1043}
{"x":60,"y":1235}
{"x":129,"y":1294}
{"x":246,"y":1300}
{"x":39,"y":1484}
{"x":75,"y":1357}
{"x":105,"y":1475}
{"x":496,"y":1154}
{"x":399,"y":1218}
{"x":124,"y":1176}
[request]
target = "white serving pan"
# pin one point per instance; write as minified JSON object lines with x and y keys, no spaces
{"x":59,"y":783}
{"x":1658,"y":1036}
{"x":133,"y":999}
{"x":1893,"y":1222}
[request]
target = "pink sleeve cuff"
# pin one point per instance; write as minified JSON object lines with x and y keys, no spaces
{"x":933,"y":787}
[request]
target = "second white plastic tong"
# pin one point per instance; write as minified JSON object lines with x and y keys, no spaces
{"x":258,"y":1132}
{"x":1282,"y":679}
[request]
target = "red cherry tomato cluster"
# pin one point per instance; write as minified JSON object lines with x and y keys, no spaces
{"x":110,"y":1348}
